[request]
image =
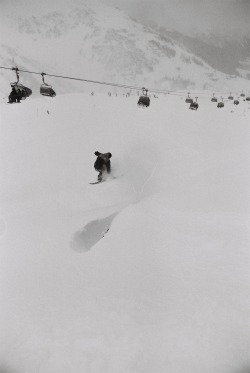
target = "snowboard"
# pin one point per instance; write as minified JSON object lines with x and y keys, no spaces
{"x":97,"y":182}
{"x":105,"y":179}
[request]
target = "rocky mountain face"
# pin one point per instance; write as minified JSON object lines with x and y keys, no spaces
{"x":226,"y":55}
{"x":94,"y":41}
{"x":217,"y":32}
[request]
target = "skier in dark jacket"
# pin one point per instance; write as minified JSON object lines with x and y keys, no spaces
{"x":102,"y":163}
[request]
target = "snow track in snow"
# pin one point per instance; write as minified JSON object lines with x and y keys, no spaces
{"x":93,"y":232}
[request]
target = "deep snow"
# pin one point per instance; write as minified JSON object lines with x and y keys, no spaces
{"x":147,"y":272}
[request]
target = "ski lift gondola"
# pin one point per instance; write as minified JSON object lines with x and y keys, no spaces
{"x":46,"y":89}
{"x":236,"y":102}
{"x":214,"y":99}
{"x":221,"y":103}
{"x":189,"y":100}
{"x":144,"y":100}
{"x":230,"y":97}
{"x":242,"y":94}
{"x":19,"y":91}
{"x":248,"y":98}
{"x":194,"y":105}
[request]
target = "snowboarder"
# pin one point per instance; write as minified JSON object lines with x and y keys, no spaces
{"x":102,"y":163}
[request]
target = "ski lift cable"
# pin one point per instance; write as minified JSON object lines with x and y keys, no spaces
{"x":78,"y":79}
{"x":99,"y":82}
{"x":153,"y":90}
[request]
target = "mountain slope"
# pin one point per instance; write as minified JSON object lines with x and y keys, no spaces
{"x":217,"y":32}
{"x":224,"y":55}
{"x":93,"y":41}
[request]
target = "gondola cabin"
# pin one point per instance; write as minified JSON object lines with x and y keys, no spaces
{"x":230,"y":97}
{"x":214,"y":99}
{"x":236,"y":102}
{"x":189,"y":100}
{"x":242,"y":94}
{"x":220,"y":104}
{"x":47,"y":90}
{"x":144,"y":100}
{"x":194,"y":106}
{"x":20,"y":89}
{"x":248,"y":98}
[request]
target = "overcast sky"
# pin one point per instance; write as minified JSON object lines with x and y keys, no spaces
{"x":188,"y":16}
{"x":222,"y":16}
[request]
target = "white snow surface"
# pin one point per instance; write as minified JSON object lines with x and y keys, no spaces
{"x":145,"y":272}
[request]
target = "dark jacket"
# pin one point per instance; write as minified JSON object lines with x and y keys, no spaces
{"x":102,"y":161}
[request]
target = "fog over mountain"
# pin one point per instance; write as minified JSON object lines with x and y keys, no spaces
{"x":217,"y":31}
{"x":97,"y":41}
{"x":225,"y":17}
{"x":228,"y":18}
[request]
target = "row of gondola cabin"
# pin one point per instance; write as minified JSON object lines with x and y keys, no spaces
{"x":46,"y":90}
{"x":21,"y":92}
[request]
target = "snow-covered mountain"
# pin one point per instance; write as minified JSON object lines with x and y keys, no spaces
{"x":227,"y":55}
{"x":216,"y":31}
{"x":87,"y":39}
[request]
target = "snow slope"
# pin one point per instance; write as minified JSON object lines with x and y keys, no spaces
{"x":146,"y":272}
